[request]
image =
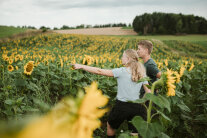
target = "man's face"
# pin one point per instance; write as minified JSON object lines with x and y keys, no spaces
{"x":141,"y":51}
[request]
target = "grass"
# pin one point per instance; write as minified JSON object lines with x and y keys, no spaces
{"x":195,"y":39}
{"x":201,"y":43}
{"x":6,"y":31}
{"x":189,"y":38}
{"x":127,"y":27}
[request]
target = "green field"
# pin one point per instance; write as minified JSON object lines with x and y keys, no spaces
{"x":36,"y":73}
{"x":170,"y":37}
{"x":194,"y":39}
{"x":6,"y":31}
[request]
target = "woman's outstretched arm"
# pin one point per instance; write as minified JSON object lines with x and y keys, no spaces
{"x":94,"y":70}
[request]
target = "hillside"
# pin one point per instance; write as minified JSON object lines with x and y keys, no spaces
{"x":6,"y":31}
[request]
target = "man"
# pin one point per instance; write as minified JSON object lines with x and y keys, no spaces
{"x":144,"y":51}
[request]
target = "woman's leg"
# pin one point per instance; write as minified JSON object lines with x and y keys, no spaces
{"x":110,"y":131}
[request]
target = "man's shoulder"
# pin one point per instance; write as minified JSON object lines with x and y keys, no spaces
{"x":150,"y":62}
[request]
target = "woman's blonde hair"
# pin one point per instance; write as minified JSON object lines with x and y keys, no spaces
{"x":137,"y":69}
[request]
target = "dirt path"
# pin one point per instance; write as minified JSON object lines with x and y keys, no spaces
{"x":99,"y":31}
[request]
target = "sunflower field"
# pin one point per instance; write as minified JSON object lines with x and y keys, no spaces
{"x":35,"y":75}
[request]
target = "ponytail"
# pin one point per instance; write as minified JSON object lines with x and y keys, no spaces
{"x":137,"y":69}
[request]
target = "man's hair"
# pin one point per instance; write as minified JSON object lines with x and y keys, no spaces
{"x":146,"y":44}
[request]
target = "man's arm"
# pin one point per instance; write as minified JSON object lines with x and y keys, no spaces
{"x":159,"y":75}
{"x":94,"y":70}
{"x":154,"y":71}
{"x":146,"y":89}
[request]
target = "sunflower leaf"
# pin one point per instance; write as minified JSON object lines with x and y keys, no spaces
{"x":143,"y":79}
{"x":159,"y":100}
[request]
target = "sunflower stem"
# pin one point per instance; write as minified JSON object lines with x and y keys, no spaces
{"x":149,"y":112}
{"x":70,"y":81}
{"x":156,"y":83}
{"x":48,"y":69}
{"x":3,"y":74}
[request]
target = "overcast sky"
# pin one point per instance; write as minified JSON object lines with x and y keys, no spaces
{"x":56,"y":13}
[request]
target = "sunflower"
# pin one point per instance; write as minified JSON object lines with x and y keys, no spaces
{"x":71,"y":118}
{"x":37,"y":63}
{"x":6,"y":58}
{"x":28,"y":68}
{"x":21,"y":57}
{"x":16,"y":67}
{"x":89,"y":112}
{"x":84,"y":61}
{"x":166,"y":62}
{"x":182,"y":69}
{"x":17,"y":57}
{"x":96,"y":61}
{"x":73,"y":62}
{"x":186,"y":63}
{"x":61,"y":63}
{"x":11,"y":61}
{"x":191,"y":67}
{"x":10,"y":68}
{"x":177,"y":77}
{"x":169,"y":82}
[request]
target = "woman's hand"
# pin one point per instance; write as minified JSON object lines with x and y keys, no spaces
{"x":77,"y":66}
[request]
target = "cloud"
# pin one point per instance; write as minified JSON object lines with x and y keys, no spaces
{"x":65,"y":4}
{"x":75,"y":12}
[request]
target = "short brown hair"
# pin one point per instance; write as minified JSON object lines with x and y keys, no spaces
{"x":146,"y":44}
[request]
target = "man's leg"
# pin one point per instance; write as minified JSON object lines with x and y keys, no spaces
{"x":110,"y":131}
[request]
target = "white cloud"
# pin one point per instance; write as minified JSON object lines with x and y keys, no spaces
{"x":55,"y":13}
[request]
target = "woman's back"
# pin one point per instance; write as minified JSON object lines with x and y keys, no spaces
{"x":128,"y":90}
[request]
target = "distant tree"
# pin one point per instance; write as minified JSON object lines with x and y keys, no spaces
{"x":31,"y":27}
{"x":147,"y":21}
{"x":88,"y":26}
{"x":55,"y":28}
{"x":202,"y":26}
{"x":179,"y":26}
{"x":80,"y":26}
{"x":43,"y":28}
{"x":64,"y":27}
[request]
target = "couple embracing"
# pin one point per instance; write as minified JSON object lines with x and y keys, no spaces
{"x":128,"y":88}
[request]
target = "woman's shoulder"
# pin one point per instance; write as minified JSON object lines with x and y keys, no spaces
{"x":120,"y":68}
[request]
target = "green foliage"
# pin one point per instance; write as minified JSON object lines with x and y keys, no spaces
{"x":169,"y":23}
{"x":159,"y":100}
{"x":189,"y":106}
{"x":147,"y":130}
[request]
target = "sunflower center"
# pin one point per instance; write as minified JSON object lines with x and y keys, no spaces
{"x":29,"y":68}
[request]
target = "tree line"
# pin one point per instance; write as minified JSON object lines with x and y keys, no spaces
{"x":79,"y":26}
{"x":169,"y":23}
{"x":95,"y":26}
